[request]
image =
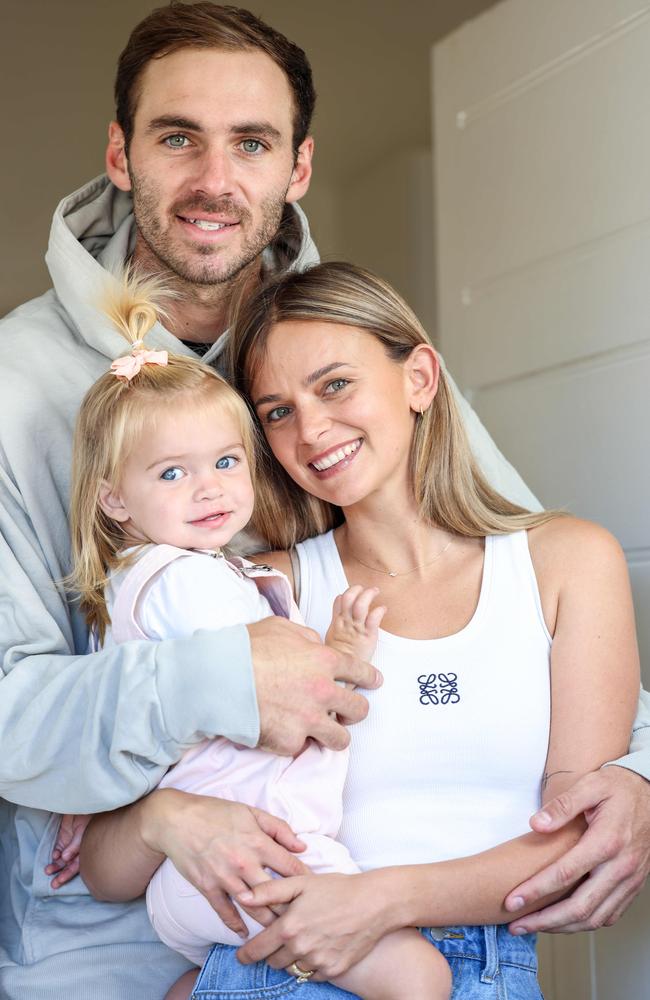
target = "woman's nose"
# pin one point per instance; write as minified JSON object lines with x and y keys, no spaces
{"x":312,"y":423}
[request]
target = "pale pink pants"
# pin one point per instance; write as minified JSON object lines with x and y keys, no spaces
{"x":305,"y":791}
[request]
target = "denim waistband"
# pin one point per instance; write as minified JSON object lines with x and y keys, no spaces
{"x":491,"y":945}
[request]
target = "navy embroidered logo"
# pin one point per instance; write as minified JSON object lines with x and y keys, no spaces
{"x":438,"y":689}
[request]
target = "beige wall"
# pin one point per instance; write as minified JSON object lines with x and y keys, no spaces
{"x":370,"y":60}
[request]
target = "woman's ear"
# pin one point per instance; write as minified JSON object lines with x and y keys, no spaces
{"x":423,"y":373}
{"x":111,"y":503}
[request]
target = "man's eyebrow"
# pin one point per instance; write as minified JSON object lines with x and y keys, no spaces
{"x":173,"y":121}
{"x":314,"y":377}
{"x":262,"y":129}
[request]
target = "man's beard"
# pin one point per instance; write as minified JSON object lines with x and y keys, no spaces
{"x":204,"y":264}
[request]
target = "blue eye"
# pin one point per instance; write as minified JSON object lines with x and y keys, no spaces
{"x":277,"y":414}
{"x":171,"y":475}
{"x":177,"y":141}
{"x":227,"y":462}
{"x":337,"y":384}
{"x":251,"y":146}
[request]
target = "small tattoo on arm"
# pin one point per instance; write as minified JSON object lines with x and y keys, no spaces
{"x":551,"y":774}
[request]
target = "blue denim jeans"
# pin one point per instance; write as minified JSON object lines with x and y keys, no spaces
{"x":487,"y":963}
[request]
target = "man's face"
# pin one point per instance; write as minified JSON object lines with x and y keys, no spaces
{"x":211,"y":163}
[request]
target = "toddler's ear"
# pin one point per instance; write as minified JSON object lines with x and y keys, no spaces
{"x":111,"y":503}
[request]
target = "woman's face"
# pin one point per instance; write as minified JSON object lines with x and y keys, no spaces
{"x":336,"y":410}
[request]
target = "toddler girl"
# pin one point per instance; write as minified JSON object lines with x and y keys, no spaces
{"x":163,"y":474}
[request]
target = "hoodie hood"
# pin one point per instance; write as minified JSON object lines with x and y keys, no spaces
{"x":93,"y":234}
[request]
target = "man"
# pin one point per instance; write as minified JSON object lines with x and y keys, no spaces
{"x":206,"y":161}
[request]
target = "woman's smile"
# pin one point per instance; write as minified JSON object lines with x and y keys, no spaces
{"x":336,"y":459}
{"x":350,"y":412}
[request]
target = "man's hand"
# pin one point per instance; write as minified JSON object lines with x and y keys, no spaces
{"x":297,"y":693}
{"x":614,"y":852}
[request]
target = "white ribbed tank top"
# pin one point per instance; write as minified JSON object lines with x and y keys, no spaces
{"x":450,"y":759}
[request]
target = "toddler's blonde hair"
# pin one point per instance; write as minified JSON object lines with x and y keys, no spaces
{"x":115,"y":412}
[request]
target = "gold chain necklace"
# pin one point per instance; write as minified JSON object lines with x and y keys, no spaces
{"x":393,"y":573}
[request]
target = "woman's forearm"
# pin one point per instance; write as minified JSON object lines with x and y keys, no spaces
{"x":117,"y":859}
{"x":472,"y":890}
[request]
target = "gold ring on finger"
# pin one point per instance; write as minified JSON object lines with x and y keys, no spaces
{"x":302,"y":975}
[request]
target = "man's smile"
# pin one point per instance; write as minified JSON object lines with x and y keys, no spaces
{"x":207,"y":225}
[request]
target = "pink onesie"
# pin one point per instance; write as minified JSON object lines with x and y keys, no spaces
{"x":306,"y":791}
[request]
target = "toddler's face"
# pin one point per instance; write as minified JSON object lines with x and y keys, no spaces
{"x":186,"y":482}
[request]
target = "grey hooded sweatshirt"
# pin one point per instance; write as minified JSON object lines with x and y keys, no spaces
{"x":90,"y":732}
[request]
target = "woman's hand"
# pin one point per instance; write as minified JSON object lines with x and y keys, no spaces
{"x":221,"y":847}
{"x":331,"y":921}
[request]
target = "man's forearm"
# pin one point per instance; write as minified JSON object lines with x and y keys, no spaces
{"x":89,"y":733}
{"x":638,"y":759}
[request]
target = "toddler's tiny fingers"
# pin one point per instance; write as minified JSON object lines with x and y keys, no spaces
{"x":361,"y":606}
{"x":348,"y":599}
{"x":66,"y":874}
{"x":375,"y":617}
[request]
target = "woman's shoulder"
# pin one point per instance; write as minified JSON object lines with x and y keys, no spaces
{"x":565,"y":538}
{"x":289,"y":562}
{"x":576,"y":562}
{"x":568,"y":553}
{"x":279,"y":560}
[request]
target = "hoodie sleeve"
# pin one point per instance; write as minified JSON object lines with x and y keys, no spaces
{"x":638,"y":759}
{"x":498,"y":471}
{"x":87,"y":733}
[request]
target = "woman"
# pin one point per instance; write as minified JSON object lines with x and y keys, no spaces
{"x":460,"y":742}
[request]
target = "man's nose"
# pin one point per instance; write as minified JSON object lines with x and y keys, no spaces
{"x":215,"y":173}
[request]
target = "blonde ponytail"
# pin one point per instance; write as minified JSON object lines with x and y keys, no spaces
{"x":114,"y":414}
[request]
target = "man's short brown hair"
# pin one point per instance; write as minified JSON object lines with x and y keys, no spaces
{"x":209,"y":25}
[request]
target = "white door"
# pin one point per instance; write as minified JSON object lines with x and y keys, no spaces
{"x":542,"y":160}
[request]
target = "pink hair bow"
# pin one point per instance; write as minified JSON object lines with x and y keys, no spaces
{"x":129,"y":365}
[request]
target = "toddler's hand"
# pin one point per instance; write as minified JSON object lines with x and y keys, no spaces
{"x":354,"y":625}
{"x":65,"y":853}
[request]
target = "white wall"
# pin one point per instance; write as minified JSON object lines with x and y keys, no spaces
{"x":388,"y":224}
{"x":542,"y":137}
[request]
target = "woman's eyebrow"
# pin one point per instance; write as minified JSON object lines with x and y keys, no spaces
{"x":310,"y":379}
{"x":314,"y":377}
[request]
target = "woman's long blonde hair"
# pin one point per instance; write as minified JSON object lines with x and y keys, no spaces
{"x":114,"y":414}
{"x":449,"y":488}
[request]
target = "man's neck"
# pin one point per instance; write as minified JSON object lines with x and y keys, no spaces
{"x":198,"y":314}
